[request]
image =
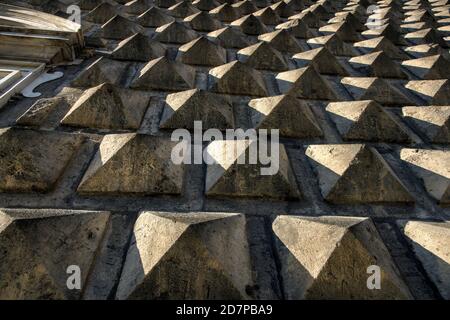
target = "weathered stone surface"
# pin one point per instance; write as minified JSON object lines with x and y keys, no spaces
{"x":32,"y":160}
{"x":305,"y":83}
{"x":119,"y":28}
{"x":333,"y":43}
{"x":355,"y":173}
{"x":38,"y":246}
{"x":133,"y":163}
{"x":202,"y":51}
{"x":100,"y":71}
{"x":225,"y":13}
{"x":381,"y":44}
{"x":377,"y":64}
{"x":182,"y":9}
{"x":187,"y":256}
{"x":366,"y":121}
{"x":297,"y":27}
{"x":107,"y":107}
{"x":431,"y":244}
{"x":322,"y":60}
{"x":154,"y":17}
{"x":343,"y":29}
{"x":267,"y":16}
{"x":431,"y":167}
{"x":223,"y":80}
{"x":429,"y":68}
{"x":328,"y":257}
{"x":371,"y":88}
{"x":232,"y":174}
{"x":250,"y":25}
{"x":433,"y":121}
{"x":282,"y":40}
{"x":138,"y":48}
{"x":202,"y":21}
{"x":263,"y":56}
{"x":434,"y":92}
{"x":175,"y":32}
{"x":163,"y":74}
{"x":229,"y":38}
{"x":291,"y":116}
{"x":183,"y":108}
{"x":102,"y":13}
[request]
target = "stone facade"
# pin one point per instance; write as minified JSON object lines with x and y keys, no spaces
{"x":361,"y":98}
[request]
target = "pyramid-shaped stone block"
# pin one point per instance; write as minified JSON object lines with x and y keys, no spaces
{"x":377,"y":64}
{"x":430,"y":166}
{"x":250,"y":25}
{"x":225,"y":13}
{"x":100,"y":71}
{"x":38,"y":247}
{"x":154,"y":17}
{"x":267,"y":16}
{"x":103,"y":107}
{"x":183,"y":108}
{"x":263,"y":56}
{"x":133,"y":164}
{"x":371,"y":88}
{"x":119,"y":28}
{"x":187,"y":256}
{"x":232,"y":173}
{"x":333,"y":43}
{"x":202,"y":21}
{"x":102,"y":13}
{"x":328,"y":257}
{"x":203,"y":52}
{"x":291,"y":116}
{"x":387,"y":30}
{"x":305,"y":83}
{"x":424,"y":36}
{"x":229,"y":38}
{"x":434,"y":92}
{"x":137,"y":7}
{"x":431,"y":244}
{"x":245,"y":7}
{"x":138,"y":48}
{"x":381,"y":44}
{"x":322,"y":60}
{"x":355,"y":173}
{"x":342,"y":29}
{"x":282,"y":40}
{"x":366,"y":121}
{"x":163,"y":74}
{"x":182,"y":9}
{"x":237,"y":78}
{"x":433,"y":121}
{"x":296,"y":27}
{"x":429,"y":68}
{"x":175,"y":32}
{"x":205,"y":5}
{"x":33,"y":161}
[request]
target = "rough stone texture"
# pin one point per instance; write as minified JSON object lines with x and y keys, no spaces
{"x":329,"y":75}
{"x":37,"y":247}
{"x":430,"y":166}
{"x":183,"y":108}
{"x":431,"y":245}
{"x":433,"y":121}
{"x":107,"y":107}
{"x":231,"y":175}
{"x":130,"y":163}
{"x":355,"y":173}
{"x":366,"y":121}
{"x":33,"y":160}
{"x":327,"y":258}
{"x":187,"y":256}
